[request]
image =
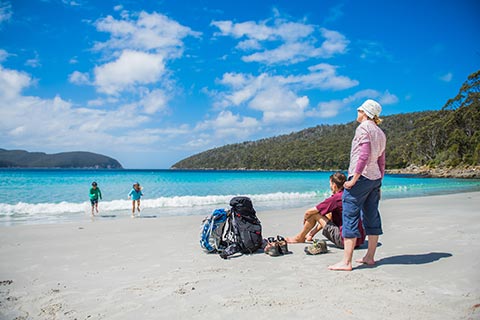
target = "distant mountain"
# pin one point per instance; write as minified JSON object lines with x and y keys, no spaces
{"x":449,"y":137}
{"x":324,"y":147}
{"x":78,"y":159}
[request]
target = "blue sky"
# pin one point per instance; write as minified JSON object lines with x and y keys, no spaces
{"x":152,"y":82}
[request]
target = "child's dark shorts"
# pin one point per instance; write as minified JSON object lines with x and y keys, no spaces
{"x":93,"y":201}
{"x":332,"y":232}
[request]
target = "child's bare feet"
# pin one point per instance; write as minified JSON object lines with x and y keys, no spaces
{"x":294,"y":240}
{"x":309,"y":237}
{"x":341,"y":266}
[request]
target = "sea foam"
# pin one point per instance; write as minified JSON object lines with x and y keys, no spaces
{"x":62,"y":208}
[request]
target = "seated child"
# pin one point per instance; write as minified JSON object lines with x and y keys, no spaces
{"x":327,"y":216}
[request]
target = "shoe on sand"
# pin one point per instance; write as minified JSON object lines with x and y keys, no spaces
{"x":318,"y":247}
{"x":272,"y":248}
{"x":282,"y":244}
{"x":273,"y":251}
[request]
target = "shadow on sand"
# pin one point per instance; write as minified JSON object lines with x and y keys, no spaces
{"x":414,"y":258}
{"x":410,"y":259}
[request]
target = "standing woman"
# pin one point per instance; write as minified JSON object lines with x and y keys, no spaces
{"x":362,"y":189}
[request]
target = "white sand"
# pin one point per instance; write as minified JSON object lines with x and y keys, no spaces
{"x":428,"y":268}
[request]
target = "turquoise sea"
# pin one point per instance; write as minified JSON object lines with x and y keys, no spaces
{"x":51,"y":196}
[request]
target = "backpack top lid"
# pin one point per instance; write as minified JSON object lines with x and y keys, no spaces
{"x":242,"y":206}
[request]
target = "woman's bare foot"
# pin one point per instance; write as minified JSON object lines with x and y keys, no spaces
{"x":294,"y":240}
{"x":341,"y":266}
{"x":366,"y":261}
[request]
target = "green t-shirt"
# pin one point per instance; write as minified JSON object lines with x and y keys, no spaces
{"x":95,"y":193}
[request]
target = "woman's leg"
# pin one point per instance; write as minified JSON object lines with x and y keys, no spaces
{"x":346,"y":263}
{"x":352,"y":201}
{"x":369,"y":257}
{"x":372,"y":222}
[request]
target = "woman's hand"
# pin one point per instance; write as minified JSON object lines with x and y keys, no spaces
{"x":349,"y":184}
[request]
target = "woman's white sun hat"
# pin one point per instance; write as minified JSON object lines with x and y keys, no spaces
{"x":371,"y":108}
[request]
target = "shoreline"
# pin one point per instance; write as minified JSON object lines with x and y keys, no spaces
{"x":200,"y":211}
{"x":460,"y":173}
{"x":427,"y":268}
{"x":470,"y":172}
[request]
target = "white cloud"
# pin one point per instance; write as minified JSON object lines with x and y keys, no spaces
{"x":130,"y":69}
{"x":79,"y":78}
{"x":34,"y":62}
{"x":197,"y":144}
{"x":73,"y":60}
{"x":138,"y":49}
{"x":72,"y":3}
{"x":56,"y":124}
{"x":151,"y":31}
{"x":323,"y":76}
{"x":276,"y":96}
{"x":5,"y":11}
{"x":99,"y":102}
{"x":279,"y":105}
{"x":250,"y":44}
{"x":329,"y":109}
{"x":292,"y":42}
{"x":388,"y":98}
{"x":171,"y":132}
{"x":335,"y":43}
{"x":227,"y":124}
{"x":236,"y":80}
{"x":3,"y":55}
{"x":281,"y":30}
{"x":133,"y":76}
{"x":154,"y":101}
{"x":12,"y":82}
{"x":373,"y":51}
{"x":447,"y":77}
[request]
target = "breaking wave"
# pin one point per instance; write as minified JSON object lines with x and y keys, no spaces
{"x":65,"y":208}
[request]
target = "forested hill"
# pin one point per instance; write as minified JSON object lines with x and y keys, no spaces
{"x":448,"y":137}
{"x":25,"y":159}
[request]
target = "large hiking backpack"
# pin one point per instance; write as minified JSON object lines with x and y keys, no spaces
{"x":246,"y":228}
{"x":211,"y":232}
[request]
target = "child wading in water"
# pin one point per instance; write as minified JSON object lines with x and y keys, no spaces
{"x":95,"y":193}
{"x":135,"y":195}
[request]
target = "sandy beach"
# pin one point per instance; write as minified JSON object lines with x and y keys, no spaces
{"x":428,"y":264}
